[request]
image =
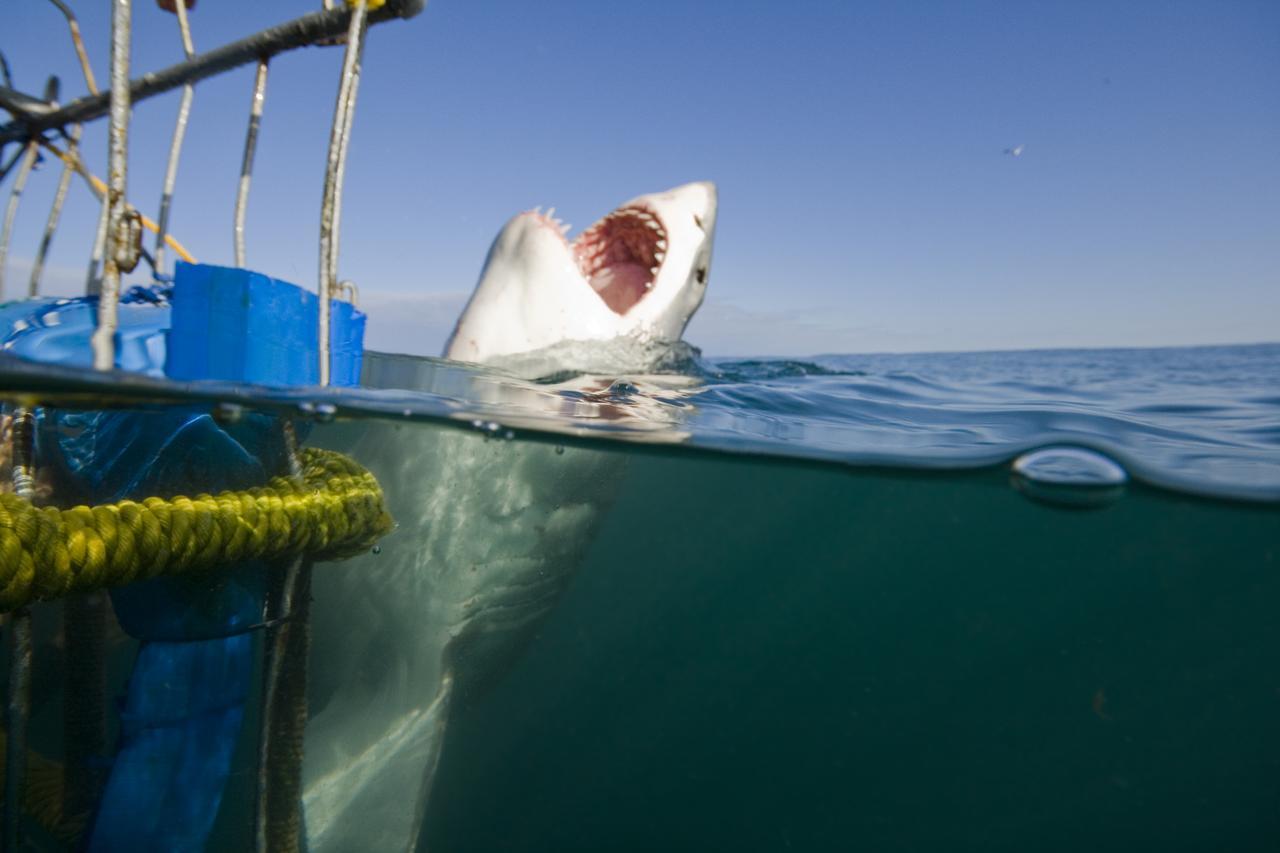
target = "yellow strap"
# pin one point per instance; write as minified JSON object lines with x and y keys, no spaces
{"x":100,"y":189}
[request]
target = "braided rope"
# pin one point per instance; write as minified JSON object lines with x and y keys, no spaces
{"x":335,"y":511}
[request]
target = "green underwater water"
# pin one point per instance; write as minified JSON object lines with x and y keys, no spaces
{"x":769,"y":656}
{"x":781,"y":655}
{"x":819,"y":613}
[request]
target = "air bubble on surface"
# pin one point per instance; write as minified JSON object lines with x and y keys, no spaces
{"x":1070,"y":477}
{"x":490,"y":429}
{"x":621,"y":390}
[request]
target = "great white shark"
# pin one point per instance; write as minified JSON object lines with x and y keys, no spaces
{"x":489,"y":531}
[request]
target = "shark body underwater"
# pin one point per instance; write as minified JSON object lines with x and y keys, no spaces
{"x":489,"y":531}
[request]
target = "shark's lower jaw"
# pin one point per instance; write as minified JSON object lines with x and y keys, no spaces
{"x":620,"y":256}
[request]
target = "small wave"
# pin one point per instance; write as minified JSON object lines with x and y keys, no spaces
{"x":1173,"y":418}
{"x":761,"y":370}
{"x":619,"y":357}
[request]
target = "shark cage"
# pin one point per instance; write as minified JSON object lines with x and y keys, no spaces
{"x":89,"y":521}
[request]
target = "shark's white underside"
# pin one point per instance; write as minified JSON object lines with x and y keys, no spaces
{"x":489,"y":531}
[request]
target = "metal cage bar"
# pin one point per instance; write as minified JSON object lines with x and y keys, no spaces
{"x":28,"y":162}
{"x":339,"y":135}
{"x":179,"y":136}
{"x":118,"y":238}
{"x":73,"y":143}
{"x":55,"y":214}
{"x":300,"y":32}
{"x":18,"y":691}
{"x":246,"y":164}
{"x":278,"y":820}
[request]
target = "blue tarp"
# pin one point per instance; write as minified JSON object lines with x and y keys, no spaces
{"x":184,"y":705}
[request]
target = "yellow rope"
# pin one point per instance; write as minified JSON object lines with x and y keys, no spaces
{"x":335,"y":511}
{"x":100,"y":189}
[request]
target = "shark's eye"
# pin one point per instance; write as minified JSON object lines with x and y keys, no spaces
{"x":701,"y":273}
{"x":697,"y":220}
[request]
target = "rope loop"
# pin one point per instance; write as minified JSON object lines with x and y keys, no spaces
{"x":336,"y":511}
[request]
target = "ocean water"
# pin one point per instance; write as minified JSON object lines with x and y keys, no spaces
{"x":985,"y":601}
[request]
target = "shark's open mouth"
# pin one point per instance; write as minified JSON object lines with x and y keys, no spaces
{"x":621,"y":254}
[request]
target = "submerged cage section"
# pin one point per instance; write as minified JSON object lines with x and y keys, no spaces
{"x":96,"y":539}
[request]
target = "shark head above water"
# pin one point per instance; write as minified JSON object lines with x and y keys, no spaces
{"x":489,"y":533}
{"x":640,"y":272}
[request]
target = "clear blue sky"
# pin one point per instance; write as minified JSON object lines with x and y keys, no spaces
{"x":866,"y":204}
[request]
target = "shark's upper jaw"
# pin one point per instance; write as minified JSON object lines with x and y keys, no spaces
{"x":623,"y":256}
{"x":640,"y":271}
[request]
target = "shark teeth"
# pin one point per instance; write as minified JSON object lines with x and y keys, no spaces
{"x":549,"y":218}
{"x":621,"y":255}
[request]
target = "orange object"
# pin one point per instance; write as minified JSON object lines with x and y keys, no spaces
{"x":1100,"y":704}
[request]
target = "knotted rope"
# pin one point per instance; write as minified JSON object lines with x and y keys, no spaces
{"x":335,"y":511}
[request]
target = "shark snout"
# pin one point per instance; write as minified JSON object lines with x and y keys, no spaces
{"x":697,"y":200}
